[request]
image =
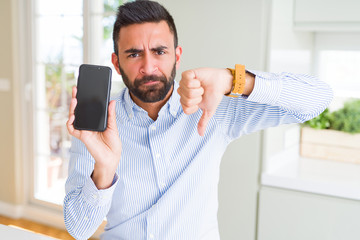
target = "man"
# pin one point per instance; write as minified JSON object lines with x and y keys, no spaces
{"x":154,"y":171}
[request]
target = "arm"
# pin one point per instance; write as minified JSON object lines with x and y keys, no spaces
{"x":85,"y":206}
{"x":276,"y":98}
{"x":92,"y":179}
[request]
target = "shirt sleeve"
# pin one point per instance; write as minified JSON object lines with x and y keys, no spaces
{"x":276,"y":99}
{"x":85,"y":206}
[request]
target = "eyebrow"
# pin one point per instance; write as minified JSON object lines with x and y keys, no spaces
{"x":135,"y":50}
{"x":159,"y":48}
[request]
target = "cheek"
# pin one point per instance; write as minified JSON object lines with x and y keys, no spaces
{"x":131,"y":69}
{"x":168,"y":64}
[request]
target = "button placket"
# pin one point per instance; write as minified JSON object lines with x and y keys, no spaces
{"x":160,"y":166}
{"x":152,"y":222}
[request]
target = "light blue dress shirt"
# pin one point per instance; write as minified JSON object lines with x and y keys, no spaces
{"x":166,"y":184}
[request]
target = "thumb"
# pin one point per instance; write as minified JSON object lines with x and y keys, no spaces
{"x":204,"y":120}
{"x":112,"y":115}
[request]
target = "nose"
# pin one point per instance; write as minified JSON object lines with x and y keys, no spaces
{"x":149,"y":65}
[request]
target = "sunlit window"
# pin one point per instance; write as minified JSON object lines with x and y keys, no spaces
{"x":341,"y":70}
{"x":337,"y":63}
{"x":67,"y":33}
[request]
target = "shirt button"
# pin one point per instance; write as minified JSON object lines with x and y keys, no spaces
{"x":86,"y":218}
{"x":151,"y":236}
{"x":268,"y":84}
{"x":153,"y":128}
{"x":157,"y":155}
{"x":162,"y":184}
{"x":94,"y":196}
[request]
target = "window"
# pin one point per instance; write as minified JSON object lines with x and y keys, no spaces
{"x":337,"y":61}
{"x":346,"y":79}
{"x":66,"y":34}
{"x":330,"y":51}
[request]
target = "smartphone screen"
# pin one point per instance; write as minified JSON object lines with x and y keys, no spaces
{"x":93,"y":93}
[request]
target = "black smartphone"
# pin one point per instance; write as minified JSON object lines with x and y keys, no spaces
{"x":93,"y":94}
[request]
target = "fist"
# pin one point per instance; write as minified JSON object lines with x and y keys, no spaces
{"x":203,"y":88}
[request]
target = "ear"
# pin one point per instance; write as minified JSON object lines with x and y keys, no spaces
{"x":115,"y":62}
{"x":178,"y":52}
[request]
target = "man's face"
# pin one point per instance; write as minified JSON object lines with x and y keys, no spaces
{"x":147,"y":60}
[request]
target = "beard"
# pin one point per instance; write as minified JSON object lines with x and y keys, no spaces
{"x":152,"y":93}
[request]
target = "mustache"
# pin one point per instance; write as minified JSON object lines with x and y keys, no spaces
{"x":149,"y":78}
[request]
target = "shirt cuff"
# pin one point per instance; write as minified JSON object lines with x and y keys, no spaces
{"x":96,"y":197}
{"x":267,"y":88}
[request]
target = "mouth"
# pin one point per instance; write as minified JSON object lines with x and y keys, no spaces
{"x":151,"y":83}
{"x":148,"y":83}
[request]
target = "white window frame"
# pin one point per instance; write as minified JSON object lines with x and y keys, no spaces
{"x":32,"y":208}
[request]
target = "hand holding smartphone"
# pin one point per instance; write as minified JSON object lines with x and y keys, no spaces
{"x":90,"y":110}
{"x":93,"y":94}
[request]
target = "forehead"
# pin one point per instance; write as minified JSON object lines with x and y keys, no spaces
{"x":145,"y":34}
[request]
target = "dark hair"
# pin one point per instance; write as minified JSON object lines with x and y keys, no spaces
{"x":141,"y":11}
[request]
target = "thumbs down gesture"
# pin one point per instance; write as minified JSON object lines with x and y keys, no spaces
{"x":204,"y":88}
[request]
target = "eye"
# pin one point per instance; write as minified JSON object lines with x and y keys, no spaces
{"x":133,"y":55}
{"x":160,"y":52}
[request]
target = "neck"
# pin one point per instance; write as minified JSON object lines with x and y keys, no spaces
{"x":152,"y":109}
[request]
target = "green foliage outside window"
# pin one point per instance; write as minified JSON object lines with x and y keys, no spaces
{"x":54,"y":68}
{"x":346,"y":119}
{"x":110,"y":8}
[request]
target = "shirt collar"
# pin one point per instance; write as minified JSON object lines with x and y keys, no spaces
{"x":129,"y":104}
{"x":174,"y":101}
{"x":173,"y":104}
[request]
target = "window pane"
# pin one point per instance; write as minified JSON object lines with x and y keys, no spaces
{"x":59,"y":52}
{"x":106,"y":48}
{"x":341,"y":70}
{"x":51,"y":168}
{"x":59,"y":39}
{"x":59,"y":82}
{"x":112,"y":5}
{"x":56,"y":7}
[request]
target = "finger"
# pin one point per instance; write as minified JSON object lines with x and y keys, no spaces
{"x":192,"y":93}
{"x":69,"y":124}
{"x":70,"y":127}
{"x":204,"y":120}
{"x":73,"y":104}
{"x":189,"y":102}
{"x":188,"y":80}
{"x":189,"y":83}
{"x":190,"y":110}
{"x":112,"y":115}
{"x":189,"y":74}
{"x":74,"y":91}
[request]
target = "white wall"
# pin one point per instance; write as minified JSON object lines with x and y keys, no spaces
{"x":8,"y":160}
{"x":220,"y":34}
{"x":289,"y":51}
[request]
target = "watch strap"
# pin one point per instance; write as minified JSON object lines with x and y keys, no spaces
{"x":238,"y":85}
